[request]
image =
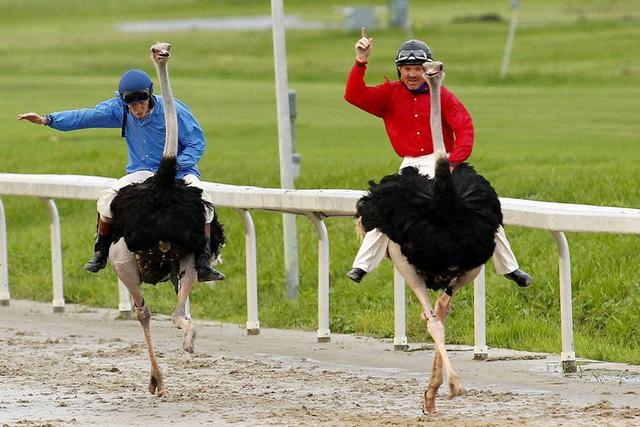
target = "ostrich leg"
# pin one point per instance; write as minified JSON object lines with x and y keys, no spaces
{"x":155,"y":382}
{"x":410,"y":275}
{"x":443,"y":307}
{"x":434,"y":384}
{"x":125,"y":267}
{"x":435,"y":326}
{"x":179,"y":317}
{"x":442,"y":310}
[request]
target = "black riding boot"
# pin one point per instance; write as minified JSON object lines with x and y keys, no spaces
{"x":101,"y":247}
{"x":206,"y":273}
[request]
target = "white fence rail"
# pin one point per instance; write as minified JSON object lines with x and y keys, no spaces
{"x":316,"y":204}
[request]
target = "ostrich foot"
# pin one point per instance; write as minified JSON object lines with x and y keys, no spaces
{"x":455,"y":386}
{"x":156,"y":385}
{"x":189,"y":339}
{"x":429,"y":404}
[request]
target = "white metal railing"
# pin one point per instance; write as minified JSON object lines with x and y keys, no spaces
{"x":316,"y":204}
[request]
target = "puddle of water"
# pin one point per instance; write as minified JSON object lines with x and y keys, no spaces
{"x":234,"y":23}
{"x":590,"y":374}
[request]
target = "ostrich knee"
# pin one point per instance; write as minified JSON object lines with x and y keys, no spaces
{"x":443,"y":307}
{"x":435,"y":327}
{"x":181,"y":321}
{"x":143,"y":314}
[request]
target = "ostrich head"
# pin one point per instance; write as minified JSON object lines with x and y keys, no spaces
{"x":433,"y":73}
{"x":160,"y":52}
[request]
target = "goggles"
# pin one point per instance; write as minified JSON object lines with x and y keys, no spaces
{"x":130,"y":97}
{"x":412,"y":55}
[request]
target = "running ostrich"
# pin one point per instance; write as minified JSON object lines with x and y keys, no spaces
{"x":442,"y":231}
{"x":157,"y":227}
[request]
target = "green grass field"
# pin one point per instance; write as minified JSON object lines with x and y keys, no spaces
{"x":562,"y":127}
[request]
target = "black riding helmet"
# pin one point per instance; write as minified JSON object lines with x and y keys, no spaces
{"x":413,"y":52}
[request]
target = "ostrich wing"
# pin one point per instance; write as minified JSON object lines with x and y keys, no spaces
{"x":159,"y":209}
{"x":444,"y":225}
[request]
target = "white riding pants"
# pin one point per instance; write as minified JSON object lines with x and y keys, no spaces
{"x":107,"y":196}
{"x":373,"y":248}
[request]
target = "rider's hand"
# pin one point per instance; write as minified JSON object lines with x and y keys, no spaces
{"x":33,"y":118}
{"x":363,"y":47}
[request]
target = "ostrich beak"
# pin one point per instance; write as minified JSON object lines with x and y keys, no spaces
{"x":432,"y":69}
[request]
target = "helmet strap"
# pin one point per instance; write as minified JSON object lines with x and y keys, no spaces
{"x":124,"y":121}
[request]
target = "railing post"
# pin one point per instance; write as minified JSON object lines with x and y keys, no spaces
{"x":480,"y":350}
{"x":399,"y":313}
{"x":56,"y":256}
{"x":324,"y":334}
{"x":187,"y":308}
{"x":253,"y":324}
{"x":568,"y":355}
{"x":5,"y":295}
{"x":124,"y":301}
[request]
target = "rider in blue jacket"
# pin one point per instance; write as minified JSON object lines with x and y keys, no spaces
{"x":140,"y":116}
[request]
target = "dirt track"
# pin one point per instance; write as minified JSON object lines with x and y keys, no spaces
{"x":84,"y":367}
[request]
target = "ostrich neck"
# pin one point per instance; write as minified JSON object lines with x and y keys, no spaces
{"x":170,"y":117}
{"x":436,"y":120}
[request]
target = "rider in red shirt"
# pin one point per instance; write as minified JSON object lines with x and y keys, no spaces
{"x":406,"y":114}
{"x":404,"y":106}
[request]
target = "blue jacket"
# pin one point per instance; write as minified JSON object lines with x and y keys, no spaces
{"x":145,"y":138}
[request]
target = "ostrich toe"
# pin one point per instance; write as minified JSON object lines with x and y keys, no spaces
{"x":429,"y":404}
{"x":156,"y":385}
{"x":455,"y":387}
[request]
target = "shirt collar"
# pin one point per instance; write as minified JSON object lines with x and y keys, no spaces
{"x":424,"y":88}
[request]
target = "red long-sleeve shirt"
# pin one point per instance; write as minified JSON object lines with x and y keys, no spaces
{"x":406,"y":116}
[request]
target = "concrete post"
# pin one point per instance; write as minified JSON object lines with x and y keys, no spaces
{"x":284,"y":143}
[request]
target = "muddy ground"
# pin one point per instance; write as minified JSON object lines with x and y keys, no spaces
{"x":85,"y":367}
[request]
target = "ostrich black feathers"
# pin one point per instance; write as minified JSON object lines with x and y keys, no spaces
{"x":445,"y":225}
{"x":163,"y":209}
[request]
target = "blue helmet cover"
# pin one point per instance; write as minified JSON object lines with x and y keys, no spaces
{"x":135,"y":81}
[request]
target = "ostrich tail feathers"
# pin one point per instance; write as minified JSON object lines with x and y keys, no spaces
{"x":167,"y":171}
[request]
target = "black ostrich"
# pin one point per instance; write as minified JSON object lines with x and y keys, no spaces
{"x":442,"y":231}
{"x":157,"y":227}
